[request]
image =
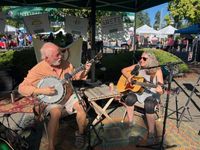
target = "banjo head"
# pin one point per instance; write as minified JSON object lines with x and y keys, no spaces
{"x":52,"y":82}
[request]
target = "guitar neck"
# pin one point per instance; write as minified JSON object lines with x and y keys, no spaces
{"x":146,"y":84}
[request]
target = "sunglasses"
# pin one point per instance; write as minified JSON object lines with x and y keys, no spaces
{"x":144,"y":58}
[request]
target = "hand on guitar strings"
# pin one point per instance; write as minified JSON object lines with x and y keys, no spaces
{"x":130,"y":79}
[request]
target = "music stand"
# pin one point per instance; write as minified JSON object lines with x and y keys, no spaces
{"x":90,"y":126}
{"x":161,"y":145}
{"x":188,"y":101}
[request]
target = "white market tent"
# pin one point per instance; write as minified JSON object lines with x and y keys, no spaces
{"x":55,"y":33}
{"x":145,"y":29}
{"x":169,"y":30}
{"x":60,"y":30}
{"x":10,"y":29}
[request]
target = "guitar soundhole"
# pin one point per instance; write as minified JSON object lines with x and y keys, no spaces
{"x":133,"y":82}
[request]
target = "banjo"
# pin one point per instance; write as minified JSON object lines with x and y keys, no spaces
{"x":59,"y":84}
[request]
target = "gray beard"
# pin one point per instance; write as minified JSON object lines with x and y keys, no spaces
{"x":56,"y":63}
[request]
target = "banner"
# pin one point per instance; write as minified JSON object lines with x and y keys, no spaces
{"x":74,"y":49}
{"x":37,"y":23}
{"x":2,"y":22}
{"x":76,"y":25}
{"x":111,"y":24}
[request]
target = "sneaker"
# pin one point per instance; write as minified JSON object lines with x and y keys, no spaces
{"x":151,"y":139}
{"x":79,"y":140}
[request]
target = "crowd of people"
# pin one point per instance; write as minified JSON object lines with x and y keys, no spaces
{"x":19,"y":39}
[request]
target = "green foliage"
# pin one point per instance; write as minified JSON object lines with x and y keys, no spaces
{"x":142,"y":18}
{"x":157,"y":20}
{"x":185,"y":9}
{"x":165,"y":57}
{"x":18,"y":61}
{"x":6,"y":59}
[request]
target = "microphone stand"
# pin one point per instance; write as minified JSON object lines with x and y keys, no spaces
{"x":170,"y":67}
{"x":90,"y":125}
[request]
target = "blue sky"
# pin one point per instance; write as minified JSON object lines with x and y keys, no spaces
{"x":152,"y":11}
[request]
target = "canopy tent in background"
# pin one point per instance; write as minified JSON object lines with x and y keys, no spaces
{"x":145,"y":29}
{"x":169,"y":30}
{"x":60,"y":30}
{"x":193,"y":29}
{"x":55,"y":33}
{"x":10,"y":29}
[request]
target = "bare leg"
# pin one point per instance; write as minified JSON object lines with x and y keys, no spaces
{"x":130,"y":113}
{"x":80,"y":117}
{"x":53,"y":126}
{"x":151,"y":123}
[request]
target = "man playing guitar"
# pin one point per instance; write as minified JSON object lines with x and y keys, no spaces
{"x":53,"y":64}
{"x":149,"y":96}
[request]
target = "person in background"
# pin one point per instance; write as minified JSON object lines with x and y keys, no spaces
{"x":170,"y":43}
{"x":53,"y":65}
{"x":150,"y":96}
{"x":51,"y":37}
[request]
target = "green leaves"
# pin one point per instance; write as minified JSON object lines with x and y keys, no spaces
{"x":186,"y":9}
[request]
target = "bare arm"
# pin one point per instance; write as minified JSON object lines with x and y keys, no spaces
{"x":159,"y":76}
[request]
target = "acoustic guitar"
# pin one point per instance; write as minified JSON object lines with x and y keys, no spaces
{"x":136,"y":85}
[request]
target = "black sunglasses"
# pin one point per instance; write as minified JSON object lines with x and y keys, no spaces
{"x":144,"y":58}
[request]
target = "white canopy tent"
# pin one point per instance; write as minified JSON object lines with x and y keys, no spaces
{"x":145,"y":29}
{"x":60,"y":30}
{"x":169,"y":30}
{"x":10,"y":29}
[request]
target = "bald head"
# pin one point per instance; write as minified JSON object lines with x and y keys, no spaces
{"x":51,"y":54}
{"x":47,"y":49}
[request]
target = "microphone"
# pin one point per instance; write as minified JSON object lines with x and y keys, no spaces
{"x":135,"y":71}
{"x":67,"y":76}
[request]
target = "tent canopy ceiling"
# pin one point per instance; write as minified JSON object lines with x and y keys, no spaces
{"x":108,"y":5}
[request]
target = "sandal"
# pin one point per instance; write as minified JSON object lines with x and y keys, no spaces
{"x":79,"y":140}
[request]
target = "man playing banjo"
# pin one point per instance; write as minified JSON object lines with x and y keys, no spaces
{"x":54,"y":65}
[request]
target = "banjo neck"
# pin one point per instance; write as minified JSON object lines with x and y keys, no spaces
{"x":82,"y":67}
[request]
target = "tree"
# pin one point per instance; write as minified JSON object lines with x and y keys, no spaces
{"x":142,"y":18}
{"x":185,"y":9}
{"x":157,"y":21}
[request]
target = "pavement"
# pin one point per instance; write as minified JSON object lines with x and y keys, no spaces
{"x":181,"y":133}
